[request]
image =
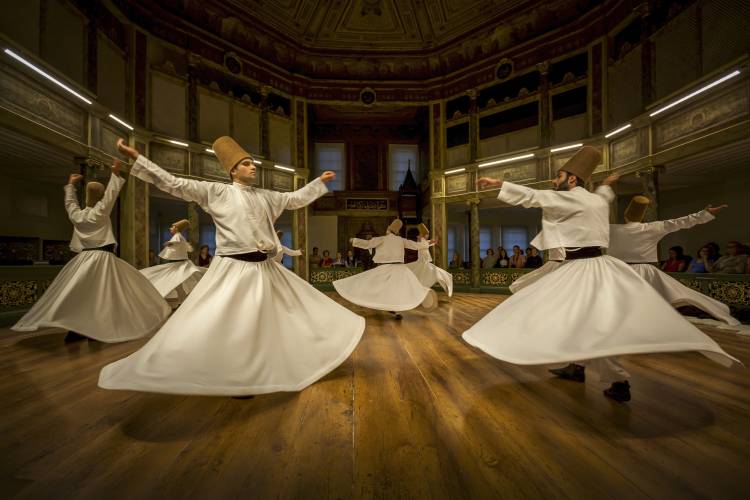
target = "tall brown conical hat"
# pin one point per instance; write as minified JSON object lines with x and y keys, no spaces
{"x":423,"y":231}
{"x":395,"y":226}
{"x":181,"y":225}
{"x":94,"y":193}
{"x":229,"y":152}
{"x":637,"y":209}
{"x":583,"y":163}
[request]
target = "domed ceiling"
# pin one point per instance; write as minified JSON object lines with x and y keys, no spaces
{"x":376,"y":39}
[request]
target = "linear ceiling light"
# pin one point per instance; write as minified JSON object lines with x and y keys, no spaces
{"x":45,"y":74}
{"x":127,"y":126}
{"x":209,"y":150}
{"x":178,"y":143}
{"x":258,"y":162}
{"x":565,"y":148}
{"x":454,"y":171}
{"x":282,"y":167}
{"x":505,"y":160}
{"x":617,"y":131}
{"x":695,"y":93}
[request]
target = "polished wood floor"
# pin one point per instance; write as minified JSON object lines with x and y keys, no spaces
{"x":414,"y":413}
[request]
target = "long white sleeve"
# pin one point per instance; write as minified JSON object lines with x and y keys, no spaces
{"x":368,"y":244}
{"x":515,"y":194}
{"x":417,"y":245}
{"x":187,"y":189}
{"x":302,"y":197}
{"x":605,"y":192}
{"x":665,"y":227}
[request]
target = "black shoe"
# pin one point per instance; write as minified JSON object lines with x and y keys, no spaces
{"x":396,"y":315}
{"x":243,"y":397}
{"x":619,"y":391}
{"x":574,"y":372}
{"x":73,"y":337}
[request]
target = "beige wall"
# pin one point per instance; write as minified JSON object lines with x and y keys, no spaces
{"x":33,"y":209}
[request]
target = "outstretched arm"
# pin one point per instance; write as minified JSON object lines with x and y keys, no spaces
{"x":418,"y":245}
{"x":71,"y":199}
{"x":107,"y":203}
{"x":670,"y":226}
{"x":367,"y":244}
{"x":299,"y":198}
{"x":146,"y":170}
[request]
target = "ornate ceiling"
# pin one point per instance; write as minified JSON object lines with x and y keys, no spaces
{"x":370,"y":39}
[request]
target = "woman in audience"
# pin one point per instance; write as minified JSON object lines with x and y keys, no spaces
{"x":204,"y":258}
{"x":340,"y":261}
{"x":533,"y":259}
{"x":676,"y":261}
{"x":502,"y":258}
{"x":455,"y":261}
{"x":698,"y":265}
{"x":735,"y":262}
{"x":489,"y":260}
{"x":517,"y":260}
{"x":326,"y":261}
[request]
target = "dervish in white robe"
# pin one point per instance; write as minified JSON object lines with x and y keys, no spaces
{"x":636,"y":243}
{"x":390,"y":286}
{"x":176,"y":278}
{"x":96,"y":294}
{"x":426,"y":272}
{"x":250,"y":326}
{"x":593,"y":306}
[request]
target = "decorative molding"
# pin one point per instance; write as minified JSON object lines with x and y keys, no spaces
{"x":169,"y":158}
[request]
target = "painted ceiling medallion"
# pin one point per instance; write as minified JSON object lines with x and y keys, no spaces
{"x":367,"y":96}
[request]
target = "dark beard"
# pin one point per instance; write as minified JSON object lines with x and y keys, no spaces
{"x":563,"y":186}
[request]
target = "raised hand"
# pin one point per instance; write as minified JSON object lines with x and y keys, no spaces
{"x":484,"y":182}
{"x":715,"y":210}
{"x":327,"y":176}
{"x":75,"y":178}
{"x":127,"y":150}
{"x":611,"y":179}
{"x":116,"y":167}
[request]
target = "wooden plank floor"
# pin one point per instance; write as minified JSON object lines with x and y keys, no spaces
{"x":414,"y":413}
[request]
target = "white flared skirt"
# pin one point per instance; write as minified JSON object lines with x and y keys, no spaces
{"x":388,"y":287}
{"x":428,"y":274}
{"x":587,"y":309}
{"x":679,"y":295}
{"x":246,"y":328}
{"x":100,"y":296}
{"x":174,"y":280}
{"x":534,"y":276}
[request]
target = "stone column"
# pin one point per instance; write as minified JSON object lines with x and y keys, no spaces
{"x":545,"y":122}
{"x":194,"y":234}
{"x":475,"y":250}
{"x":473,"y":125}
{"x":265,"y":149}
{"x":193,"y":102}
{"x":439,"y":231}
{"x":299,"y":217}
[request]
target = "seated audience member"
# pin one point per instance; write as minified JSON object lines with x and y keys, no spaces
{"x":339,"y":261}
{"x":517,"y":260}
{"x":698,"y":265}
{"x":351,"y":261}
{"x":326,"y":260}
{"x":502,"y":259}
{"x":455,"y":262}
{"x":315,"y":258}
{"x":713,"y":250}
{"x":534,"y":260}
{"x":204,"y":258}
{"x":489,"y":260}
{"x":675,"y":263}
{"x":735,"y":262}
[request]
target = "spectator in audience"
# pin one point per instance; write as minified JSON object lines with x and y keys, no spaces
{"x":713,"y":250}
{"x":735,"y":262}
{"x":517,"y":260}
{"x":315,"y":258}
{"x":698,"y":265}
{"x":502,"y":258}
{"x":490,"y":259}
{"x":533,"y":259}
{"x":351,"y":261}
{"x":455,"y":261}
{"x":676,"y":262}
{"x":326,"y":260}
{"x":339,"y":261}
{"x":204,"y":258}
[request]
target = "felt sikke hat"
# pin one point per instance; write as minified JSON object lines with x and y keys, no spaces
{"x":583,"y":163}
{"x":395,"y":226}
{"x":636,"y":210}
{"x":180,"y":225}
{"x":229,"y":152}
{"x":94,"y":193}
{"x":423,"y":231}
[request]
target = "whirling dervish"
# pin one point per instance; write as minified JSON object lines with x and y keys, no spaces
{"x":97,"y":295}
{"x":426,"y":272}
{"x":177,"y":278}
